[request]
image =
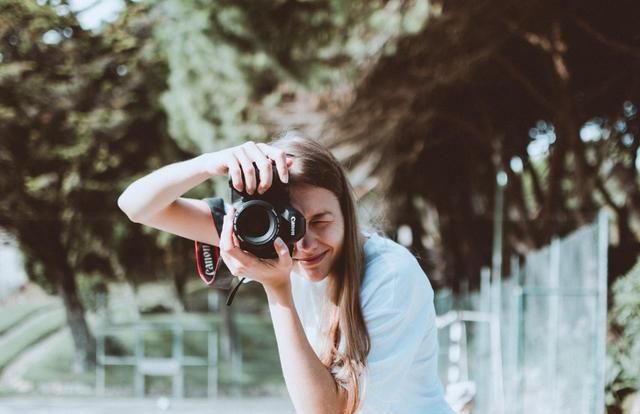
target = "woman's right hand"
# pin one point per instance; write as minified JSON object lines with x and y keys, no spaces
{"x":242,"y":160}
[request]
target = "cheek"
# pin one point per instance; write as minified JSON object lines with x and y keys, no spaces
{"x":337,"y":242}
{"x":335,"y":237}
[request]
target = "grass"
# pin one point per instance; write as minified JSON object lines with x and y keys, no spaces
{"x":39,"y":330}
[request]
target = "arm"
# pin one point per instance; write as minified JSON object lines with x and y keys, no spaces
{"x":311,"y":386}
{"x":154,"y":200}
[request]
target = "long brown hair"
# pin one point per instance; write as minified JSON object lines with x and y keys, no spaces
{"x":344,"y":321}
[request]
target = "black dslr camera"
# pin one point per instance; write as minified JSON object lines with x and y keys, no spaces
{"x":261,"y":218}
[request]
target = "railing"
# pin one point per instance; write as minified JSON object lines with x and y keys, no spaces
{"x":543,"y":330}
{"x":172,"y":366}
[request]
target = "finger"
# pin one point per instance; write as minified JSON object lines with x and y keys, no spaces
{"x":264,"y":166}
{"x":280,"y":157}
{"x":235,"y":173}
{"x":226,"y":236}
{"x":236,"y":242}
{"x":242,"y":261}
{"x":282,"y":250}
{"x":233,"y":256}
{"x":248,"y":171}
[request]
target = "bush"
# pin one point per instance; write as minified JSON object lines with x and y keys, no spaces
{"x":623,"y":354}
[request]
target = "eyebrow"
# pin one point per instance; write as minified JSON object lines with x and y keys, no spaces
{"x":320,"y":214}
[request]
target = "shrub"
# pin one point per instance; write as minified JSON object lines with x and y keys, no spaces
{"x":623,"y":354}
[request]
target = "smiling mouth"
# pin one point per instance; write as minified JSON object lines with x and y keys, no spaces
{"x":312,"y":260}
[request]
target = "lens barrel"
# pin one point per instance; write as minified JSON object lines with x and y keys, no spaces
{"x":256,"y":223}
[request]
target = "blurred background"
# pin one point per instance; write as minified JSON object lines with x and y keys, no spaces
{"x":498,"y":141}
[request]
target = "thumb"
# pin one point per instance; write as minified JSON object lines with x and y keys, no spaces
{"x":281,"y":249}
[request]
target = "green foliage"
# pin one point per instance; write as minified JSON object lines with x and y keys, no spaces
{"x":80,"y":118}
{"x":227,"y":59}
{"x":623,"y":370}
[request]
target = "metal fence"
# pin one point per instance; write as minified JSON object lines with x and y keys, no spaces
{"x":550,"y":316}
{"x":172,"y":366}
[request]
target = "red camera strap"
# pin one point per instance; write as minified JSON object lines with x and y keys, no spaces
{"x":211,"y":267}
{"x":208,"y":261}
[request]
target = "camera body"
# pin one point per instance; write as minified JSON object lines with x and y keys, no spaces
{"x":261,"y":218}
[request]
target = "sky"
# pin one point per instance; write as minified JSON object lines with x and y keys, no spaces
{"x":97,"y":12}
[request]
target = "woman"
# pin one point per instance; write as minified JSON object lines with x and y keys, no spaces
{"x":352,"y":312}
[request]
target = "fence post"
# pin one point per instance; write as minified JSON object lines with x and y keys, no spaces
{"x":520,"y":337}
{"x":554,"y":321}
{"x":100,"y":374}
{"x":139,"y":355}
{"x":601,"y":309}
{"x":212,"y":367}
{"x":178,"y":355}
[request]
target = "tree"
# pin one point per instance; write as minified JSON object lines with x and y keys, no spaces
{"x":488,"y":82}
{"x":73,"y":106}
{"x":233,"y":64}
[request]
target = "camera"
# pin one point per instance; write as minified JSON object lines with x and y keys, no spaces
{"x":261,"y":218}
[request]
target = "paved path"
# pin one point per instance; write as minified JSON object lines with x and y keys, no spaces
{"x":41,"y":405}
{"x":12,"y":374}
{"x":27,"y":324}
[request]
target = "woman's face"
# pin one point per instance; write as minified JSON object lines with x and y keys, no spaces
{"x":316,"y":253}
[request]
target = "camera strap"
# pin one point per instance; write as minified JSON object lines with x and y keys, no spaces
{"x":211,"y":268}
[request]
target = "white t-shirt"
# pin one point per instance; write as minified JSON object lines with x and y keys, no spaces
{"x":397,"y":304}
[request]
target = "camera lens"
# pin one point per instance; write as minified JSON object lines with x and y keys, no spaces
{"x":256,"y":223}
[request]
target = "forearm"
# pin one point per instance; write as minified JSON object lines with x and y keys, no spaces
{"x":157,"y":190}
{"x":311,"y":386}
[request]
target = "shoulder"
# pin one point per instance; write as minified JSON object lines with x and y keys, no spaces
{"x":392,"y":276}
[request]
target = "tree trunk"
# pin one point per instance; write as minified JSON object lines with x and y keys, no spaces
{"x":46,"y":247}
{"x":83,"y":340}
{"x":228,"y":334}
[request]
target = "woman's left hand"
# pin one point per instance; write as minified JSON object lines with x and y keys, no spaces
{"x":272,"y":273}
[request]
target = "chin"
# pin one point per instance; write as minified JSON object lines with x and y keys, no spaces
{"x":314,"y":275}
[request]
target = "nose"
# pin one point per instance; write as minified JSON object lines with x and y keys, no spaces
{"x":305,"y":243}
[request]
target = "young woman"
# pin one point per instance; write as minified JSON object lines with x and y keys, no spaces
{"x":352,"y":312}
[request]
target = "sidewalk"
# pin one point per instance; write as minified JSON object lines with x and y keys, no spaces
{"x":43,"y":405}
